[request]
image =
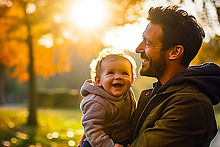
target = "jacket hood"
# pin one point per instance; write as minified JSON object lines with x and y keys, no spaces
{"x":89,"y":88}
{"x":205,"y":76}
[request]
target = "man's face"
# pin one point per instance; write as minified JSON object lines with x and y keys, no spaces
{"x":153,"y":58}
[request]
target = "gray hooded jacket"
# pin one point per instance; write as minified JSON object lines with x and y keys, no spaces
{"x":106,"y":119}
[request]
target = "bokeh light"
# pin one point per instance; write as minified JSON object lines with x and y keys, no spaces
{"x":9,"y":3}
{"x":31,"y":8}
{"x":25,"y":113}
{"x":54,"y":144}
{"x":11,"y":125}
{"x":6,"y":143}
{"x":55,"y":135}
{"x":49,"y":136}
{"x":46,"y":40}
{"x":38,"y":144}
{"x":71,"y":143}
{"x":70,"y":134}
{"x":14,"y":140}
{"x":79,"y":132}
{"x":22,"y":135}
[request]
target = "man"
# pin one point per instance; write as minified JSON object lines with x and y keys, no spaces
{"x":178,"y":111}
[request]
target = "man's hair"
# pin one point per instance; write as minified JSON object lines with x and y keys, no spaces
{"x":95,"y":65}
{"x":179,"y":28}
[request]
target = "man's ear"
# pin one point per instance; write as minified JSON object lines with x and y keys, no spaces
{"x":97,"y":81}
{"x":176,"y":52}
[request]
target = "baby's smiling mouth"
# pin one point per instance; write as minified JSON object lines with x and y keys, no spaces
{"x":117,"y":85}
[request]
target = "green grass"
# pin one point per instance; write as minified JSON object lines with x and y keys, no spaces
{"x":56,"y":127}
{"x":63,"y":122}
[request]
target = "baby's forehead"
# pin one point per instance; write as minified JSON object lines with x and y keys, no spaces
{"x":112,"y":58}
{"x":116,"y":62}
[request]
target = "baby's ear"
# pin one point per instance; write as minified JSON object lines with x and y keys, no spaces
{"x":132,"y":81}
{"x":97,"y":81}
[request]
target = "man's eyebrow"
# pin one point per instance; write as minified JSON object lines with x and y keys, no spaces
{"x":143,"y":36}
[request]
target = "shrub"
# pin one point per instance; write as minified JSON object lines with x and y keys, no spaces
{"x":58,"y":98}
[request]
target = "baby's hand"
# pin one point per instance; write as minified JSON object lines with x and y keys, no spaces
{"x":81,"y":141}
{"x":80,"y":144}
{"x":118,"y":145}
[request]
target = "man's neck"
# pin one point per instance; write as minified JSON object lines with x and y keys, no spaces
{"x":171,"y":72}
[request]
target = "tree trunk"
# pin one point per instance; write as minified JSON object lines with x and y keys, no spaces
{"x":1,"y":84}
{"x":32,"y":119}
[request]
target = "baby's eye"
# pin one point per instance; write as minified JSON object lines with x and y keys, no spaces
{"x":110,"y":72}
{"x":125,"y":73}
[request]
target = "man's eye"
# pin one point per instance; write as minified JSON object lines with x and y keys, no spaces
{"x":110,"y":72}
{"x":146,"y":43}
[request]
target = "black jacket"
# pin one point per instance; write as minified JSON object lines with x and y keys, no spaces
{"x":180,"y":112}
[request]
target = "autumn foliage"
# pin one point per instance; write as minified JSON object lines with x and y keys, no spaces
{"x":14,"y":49}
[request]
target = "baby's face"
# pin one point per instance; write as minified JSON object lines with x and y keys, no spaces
{"x":116,"y":75}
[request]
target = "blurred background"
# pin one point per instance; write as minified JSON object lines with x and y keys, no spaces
{"x":46,"y":47}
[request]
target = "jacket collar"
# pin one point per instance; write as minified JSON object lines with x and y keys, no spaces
{"x":148,"y":101}
{"x":170,"y":89}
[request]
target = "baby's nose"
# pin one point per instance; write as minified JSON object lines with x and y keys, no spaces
{"x":118,"y":77}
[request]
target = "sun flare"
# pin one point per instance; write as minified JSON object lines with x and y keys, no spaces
{"x":87,"y":14}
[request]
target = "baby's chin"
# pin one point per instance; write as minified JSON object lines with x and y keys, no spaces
{"x":119,"y":95}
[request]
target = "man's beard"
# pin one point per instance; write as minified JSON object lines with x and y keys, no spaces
{"x":157,"y":70}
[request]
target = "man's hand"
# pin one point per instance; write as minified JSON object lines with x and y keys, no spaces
{"x":118,"y":145}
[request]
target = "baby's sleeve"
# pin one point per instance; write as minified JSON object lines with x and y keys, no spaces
{"x":93,"y":120}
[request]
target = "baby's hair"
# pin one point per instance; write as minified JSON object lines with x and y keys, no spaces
{"x":95,"y":65}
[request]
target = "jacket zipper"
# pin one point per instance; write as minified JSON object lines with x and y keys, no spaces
{"x":142,"y":114}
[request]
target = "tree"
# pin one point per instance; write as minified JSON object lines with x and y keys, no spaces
{"x":3,"y":60}
{"x":25,"y":44}
{"x":209,"y":52}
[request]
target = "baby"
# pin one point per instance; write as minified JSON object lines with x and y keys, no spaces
{"x":108,"y":102}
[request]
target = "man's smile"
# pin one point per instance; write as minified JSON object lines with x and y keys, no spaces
{"x":144,"y":58}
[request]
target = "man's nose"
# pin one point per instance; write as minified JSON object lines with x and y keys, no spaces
{"x":140,"y":48}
